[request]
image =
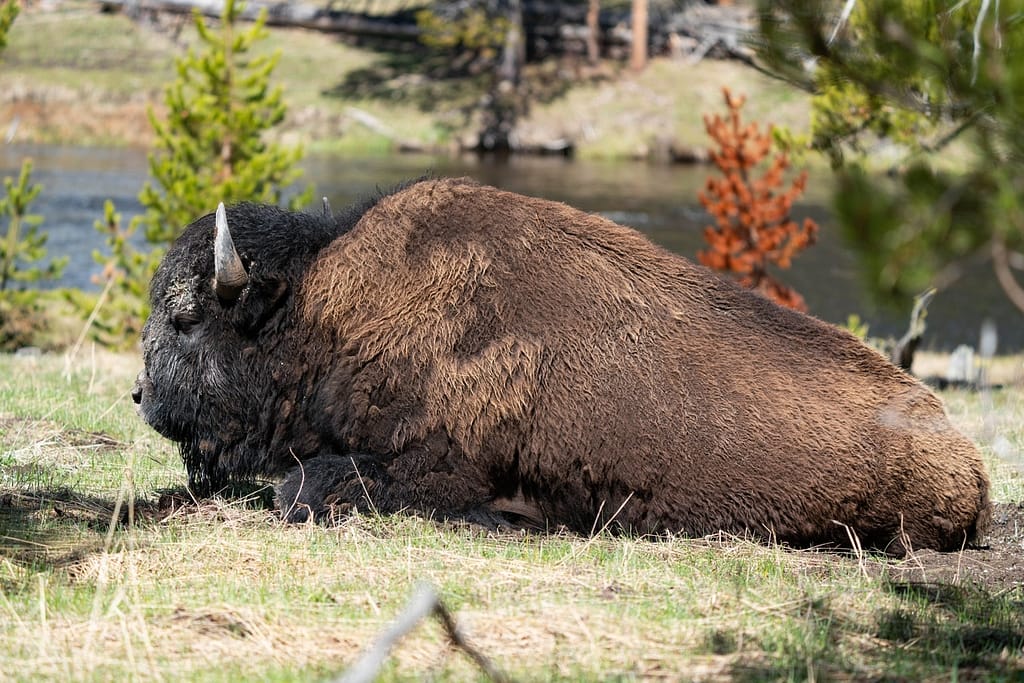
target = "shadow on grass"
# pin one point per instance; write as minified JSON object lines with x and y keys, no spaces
{"x":42,"y":529}
{"x":962,"y":626}
{"x":932,"y":630}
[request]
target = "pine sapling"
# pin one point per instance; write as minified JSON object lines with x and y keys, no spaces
{"x":23,"y":243}
{"x":752,"y":227}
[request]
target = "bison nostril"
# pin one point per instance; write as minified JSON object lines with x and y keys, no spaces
{"x":137,"y":392}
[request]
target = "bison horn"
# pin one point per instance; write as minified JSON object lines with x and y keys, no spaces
{"x":229,"y":275}
{"x":327,"y":208}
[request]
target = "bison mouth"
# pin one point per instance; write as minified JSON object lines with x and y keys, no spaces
{"x":156,"y":412}
{"x":206,"y":476}
{"x":177,"y":418}
{"x":142,"y":395}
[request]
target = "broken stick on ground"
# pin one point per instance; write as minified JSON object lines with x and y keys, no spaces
{"x":423,"y":603}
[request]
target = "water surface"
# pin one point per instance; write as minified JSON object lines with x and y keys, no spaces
{"x":659,"y":200}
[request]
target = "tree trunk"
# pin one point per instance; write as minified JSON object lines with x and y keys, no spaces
{"x":902,"y":354}
{"x":514,"y":50}
{"x":638,"y":58}
{"x":593,"y":31}
{"x":504,"y":104}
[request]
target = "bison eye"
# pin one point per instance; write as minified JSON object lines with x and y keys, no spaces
{"x":184,"y":322}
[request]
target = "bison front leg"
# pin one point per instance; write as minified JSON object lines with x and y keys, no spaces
{"x":327,"y":486}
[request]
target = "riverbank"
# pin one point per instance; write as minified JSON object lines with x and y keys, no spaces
{"x":95,"y":76}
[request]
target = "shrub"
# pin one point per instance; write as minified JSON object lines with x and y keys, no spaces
{"x":752,"y":227}
{"x":23,"y":243}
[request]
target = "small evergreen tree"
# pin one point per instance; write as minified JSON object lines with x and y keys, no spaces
{"x":23,"y":243}
{"x":211,"y":147}
{"x":752,"y":227}
{"x":22,"y":317}
{"x":126,"y":273}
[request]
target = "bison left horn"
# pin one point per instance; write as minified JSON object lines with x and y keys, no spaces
{"x":229,"y":275}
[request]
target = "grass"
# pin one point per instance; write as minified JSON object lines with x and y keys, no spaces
{"x":225,"y":592}
{"x":106,"y":51}
{"x":93,"y":78}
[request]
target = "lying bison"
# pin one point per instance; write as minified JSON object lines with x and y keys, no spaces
{"x":458,"y":350}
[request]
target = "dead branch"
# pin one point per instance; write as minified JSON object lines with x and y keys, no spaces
{"x":423,"y":603}
{"x":903,"y":353}
{"x":1001,"y":263}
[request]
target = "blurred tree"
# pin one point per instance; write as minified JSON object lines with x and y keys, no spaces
{"x":23,"y":243}
{"x":8,"y":13}
{"x":211,"y":147}
{"x":939,"y":87}
{"x":638,"y":50}
{"x":119,"y":313}
{"x":489,"y":33}
{"x":475,"y":29}
{"x":593,"y":31}
{"x":22,"y":318}
{"x":753,"y":227}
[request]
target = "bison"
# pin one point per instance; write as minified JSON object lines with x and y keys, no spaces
{"x":457,"y":350}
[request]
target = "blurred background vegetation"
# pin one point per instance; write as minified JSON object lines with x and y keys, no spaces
{"x":902,"y":114}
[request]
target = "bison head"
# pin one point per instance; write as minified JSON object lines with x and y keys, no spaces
{"x":220,"y":303}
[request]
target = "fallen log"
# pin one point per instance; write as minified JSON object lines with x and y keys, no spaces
{"x":550,"y":28}
{"x":294,"y":14}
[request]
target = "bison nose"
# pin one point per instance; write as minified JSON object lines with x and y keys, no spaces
{"x":137,"y":390}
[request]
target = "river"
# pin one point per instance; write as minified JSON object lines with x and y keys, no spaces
{"x":659,"y":200}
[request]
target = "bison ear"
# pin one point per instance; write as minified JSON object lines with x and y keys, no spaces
{"x":229,"y":275}
{"x":260,"y":303}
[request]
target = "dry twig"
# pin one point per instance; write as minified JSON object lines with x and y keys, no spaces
{"x":423,"y":603}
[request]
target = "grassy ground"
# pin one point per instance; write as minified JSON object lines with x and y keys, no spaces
{"x":93,"y":78}
{"x":226,"y":592}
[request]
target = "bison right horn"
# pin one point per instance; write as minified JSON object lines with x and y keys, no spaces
{"x":229,"y":276}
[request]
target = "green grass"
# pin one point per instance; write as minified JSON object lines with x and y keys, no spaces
{"x":92,"y":79}
{"x":82,"y":46}
{"x":225,"y":592}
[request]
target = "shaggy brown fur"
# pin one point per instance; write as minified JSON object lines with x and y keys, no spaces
{"x":467,"y":351}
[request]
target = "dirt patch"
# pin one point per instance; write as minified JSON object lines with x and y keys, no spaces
{"x":997,"y":564}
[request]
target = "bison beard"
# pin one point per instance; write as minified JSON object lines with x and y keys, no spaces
{"x":460,"y":351}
